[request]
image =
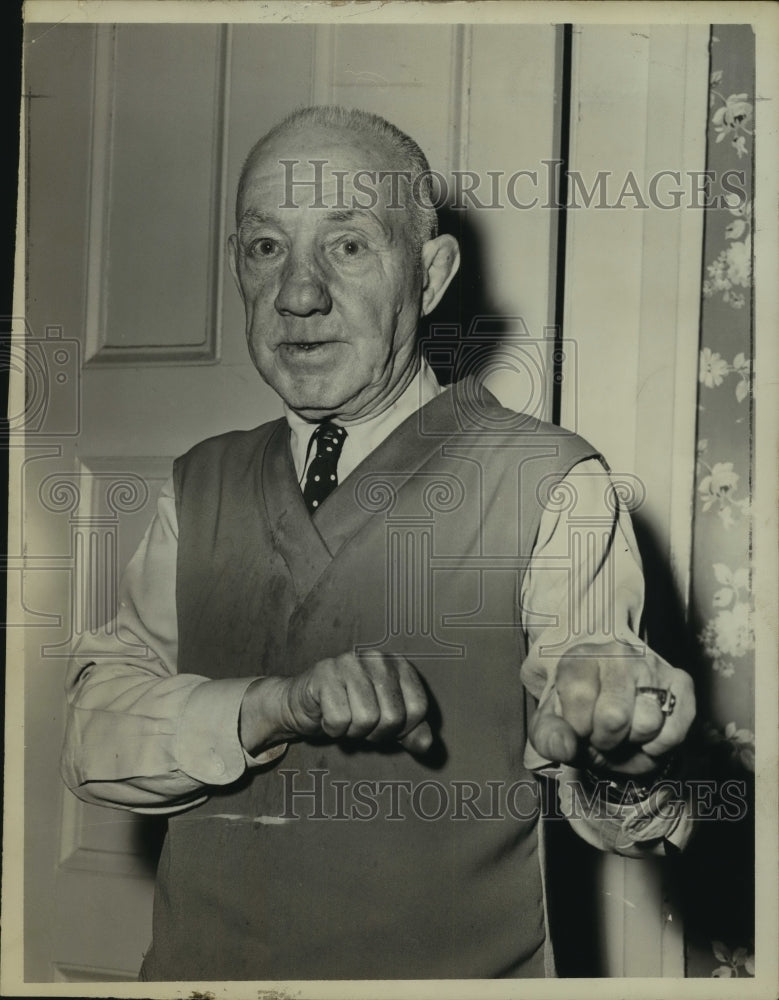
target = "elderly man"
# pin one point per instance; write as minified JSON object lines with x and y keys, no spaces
{"x":337,"y":606}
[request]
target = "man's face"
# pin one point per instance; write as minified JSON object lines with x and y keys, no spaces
{"x":332,"y":295}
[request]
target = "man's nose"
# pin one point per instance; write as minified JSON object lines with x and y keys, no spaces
{"x":303,"y":289}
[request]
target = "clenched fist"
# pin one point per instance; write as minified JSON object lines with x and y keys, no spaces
{"x":372,"y":697}
{"x":598,"y":712}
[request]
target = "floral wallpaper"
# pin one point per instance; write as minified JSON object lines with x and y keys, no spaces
{"x":719,"y":874}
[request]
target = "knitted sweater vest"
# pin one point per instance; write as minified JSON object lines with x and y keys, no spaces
{"x":345,"y":860}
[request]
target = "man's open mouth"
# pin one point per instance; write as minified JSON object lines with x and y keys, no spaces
{"x":308,"y":351}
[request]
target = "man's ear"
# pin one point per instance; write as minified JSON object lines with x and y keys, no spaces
{"x":440,"y":261}
{"x":232,"y":256}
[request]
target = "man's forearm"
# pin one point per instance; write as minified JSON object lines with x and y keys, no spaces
{"x":151,"y":743}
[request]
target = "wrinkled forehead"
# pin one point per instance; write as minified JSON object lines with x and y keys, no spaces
{"x":326,"y":169}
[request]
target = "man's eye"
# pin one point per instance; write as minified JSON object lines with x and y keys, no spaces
{"x":350,"y":247}
{"x":263,"y":248}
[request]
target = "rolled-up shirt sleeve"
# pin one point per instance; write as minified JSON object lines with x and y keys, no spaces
{"x":585,"y":584}
{"x":139,"y":734}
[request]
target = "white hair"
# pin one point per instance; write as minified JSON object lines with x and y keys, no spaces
{"x":424,"y":222}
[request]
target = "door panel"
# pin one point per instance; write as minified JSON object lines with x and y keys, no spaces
{"x":153,"y":292}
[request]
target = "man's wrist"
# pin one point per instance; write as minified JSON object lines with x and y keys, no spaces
{"x":262,"y":719}
{"x":628,"y":789}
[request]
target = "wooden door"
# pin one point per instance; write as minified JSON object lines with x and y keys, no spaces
{"x":134,"y":344}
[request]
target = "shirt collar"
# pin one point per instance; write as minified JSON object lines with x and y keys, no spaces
{"x":367,"y":435}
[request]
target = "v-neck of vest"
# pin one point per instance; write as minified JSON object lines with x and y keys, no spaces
{"x":309,"y":542}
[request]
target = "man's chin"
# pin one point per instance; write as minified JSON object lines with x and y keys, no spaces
{"x":331,"y":391}
{"x":315,"y":413}
{"x":314,"y":402}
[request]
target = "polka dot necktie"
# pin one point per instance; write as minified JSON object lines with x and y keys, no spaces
{"x":322,"y":476}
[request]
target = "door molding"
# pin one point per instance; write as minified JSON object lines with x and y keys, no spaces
{"x":631,"y":308}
